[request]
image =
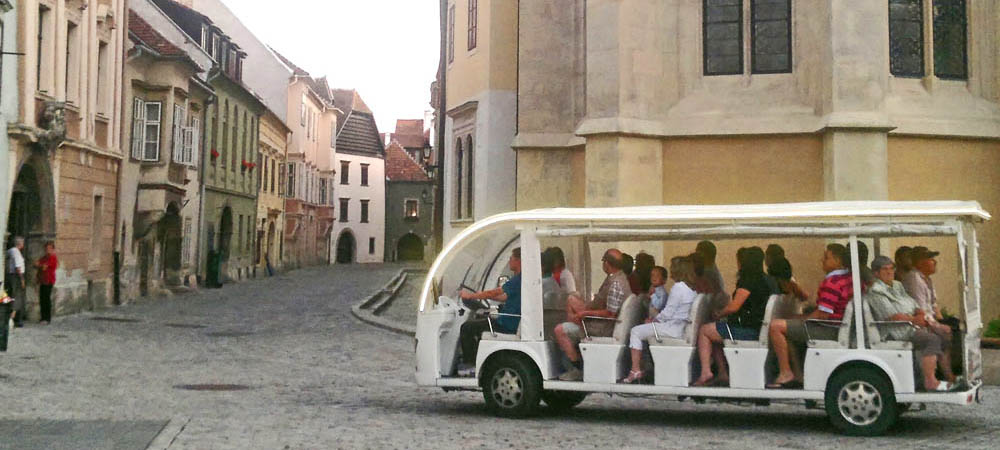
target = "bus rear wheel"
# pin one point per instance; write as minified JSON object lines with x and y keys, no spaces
{"x":860,"y":402}
{"x":512,"y":386}
{"x":562,"y":400}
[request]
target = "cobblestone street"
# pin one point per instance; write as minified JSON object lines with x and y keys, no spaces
{"x":315,"y":377}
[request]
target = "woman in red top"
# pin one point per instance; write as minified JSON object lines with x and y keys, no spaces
{"x":47,"y":266}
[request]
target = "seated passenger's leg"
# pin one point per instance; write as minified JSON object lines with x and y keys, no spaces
{"x":639,"y":335}
{"x":574,"y":305}
{"x":943,"y":333}
{"x":927,"y":347}
{"x":781,"y":350}
{"x":469,"y":337}
{"x":708,"y":336}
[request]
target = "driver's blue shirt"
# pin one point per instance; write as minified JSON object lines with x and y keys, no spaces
{"x":512,"y":288}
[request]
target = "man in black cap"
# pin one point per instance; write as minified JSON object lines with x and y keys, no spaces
{"x":918,"y":281}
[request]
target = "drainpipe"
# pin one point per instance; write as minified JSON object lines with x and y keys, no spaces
{"x":442,"y":116}
{"x":212,"y":98}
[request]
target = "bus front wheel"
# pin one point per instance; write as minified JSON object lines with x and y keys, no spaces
{"x":860,"y":402}
{"x":512,"y":385}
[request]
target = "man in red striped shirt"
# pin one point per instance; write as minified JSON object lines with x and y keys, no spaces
{"x":835,"y":292}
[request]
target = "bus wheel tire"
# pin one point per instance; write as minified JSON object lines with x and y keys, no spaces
{"x":860,"y":402}
{"x":562,"y":400}
{"x":512,"y":386}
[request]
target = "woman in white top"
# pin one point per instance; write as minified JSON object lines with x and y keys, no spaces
{"x":675,"y":316}
{"x":561,"y":274}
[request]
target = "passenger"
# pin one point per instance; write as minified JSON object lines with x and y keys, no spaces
{"x":640,"y":277}
{"x":560,"y":273}
{"x":867,"y":277}
{"x":745,"y":314}
{"x":658,"y":291}
{"x":707,"y":251}
{"x":510,"y":295}
{"x":788,"y":335}
{"x":702,"y":284}
{"x":670,"y":319}
{"x":772,"y":253}
{"x":606,"y":303}
{"x":549,"y":284}
{"x":628,"y":268}
{"x":918,"y":281}
{"x":903,"y":263}
{"x":931,"y":341}
{"x":781,"y":270}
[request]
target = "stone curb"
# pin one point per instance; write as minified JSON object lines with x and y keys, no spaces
{"x":366,"y":309}
{"x":171,"y":430}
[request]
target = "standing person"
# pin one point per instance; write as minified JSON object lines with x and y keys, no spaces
{"x":510,"y":295}
{"x":6,"y":312}
{"x":707,"y":251}
{"x":15,"y":279}
{"x":918,"y":281}
{"x":560,"y":273}
{"x":47,"y":266}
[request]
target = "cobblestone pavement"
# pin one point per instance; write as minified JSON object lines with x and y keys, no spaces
{"x":317,"y":378}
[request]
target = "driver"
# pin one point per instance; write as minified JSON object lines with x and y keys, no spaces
{"x":510,"y":295}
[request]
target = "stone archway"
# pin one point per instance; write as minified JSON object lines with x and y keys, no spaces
{"x":170,"y":242}
{"x":269,"y":250}
{"x":225,"y":234}
{"x":410,"y":248}
{"x":346,"y":247}
{"x":31,"y":215}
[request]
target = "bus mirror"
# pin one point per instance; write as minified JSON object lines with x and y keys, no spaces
{"x":502,"y":280}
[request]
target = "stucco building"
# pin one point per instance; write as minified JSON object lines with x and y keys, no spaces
{"x":230,"y":153}
{"x":360,"y":159}
{"x":409,"y":207}
{"x":167,"y":94}
{"x":641,"y":102}
{"x":65,"y":149}
{"x":274,"y":136}
{"x":481,"y":64}
{"x":8,"y":111}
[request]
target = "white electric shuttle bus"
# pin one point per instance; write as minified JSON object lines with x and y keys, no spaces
{"x":862,"y":379}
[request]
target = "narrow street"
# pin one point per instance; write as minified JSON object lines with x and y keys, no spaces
{"x":308,"y":375}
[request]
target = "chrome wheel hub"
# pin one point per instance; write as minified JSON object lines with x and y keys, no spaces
{"x":859,"y":403}
{"x":507,"y":388}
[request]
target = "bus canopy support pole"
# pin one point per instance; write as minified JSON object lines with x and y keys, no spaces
{"x":856,"y":280}
{"x":531,"y":286}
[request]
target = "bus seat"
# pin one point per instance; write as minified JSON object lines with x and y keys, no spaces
{"x":672,"y":357}
{"x":696,"y":318}
{"x":875,"y":334}
{"x":604,"y":358}
{"x":843,"y":334}
{"x":763,"y":338}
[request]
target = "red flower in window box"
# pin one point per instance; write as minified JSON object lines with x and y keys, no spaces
{"x":215,"y":154}
{"x":247,"y":165}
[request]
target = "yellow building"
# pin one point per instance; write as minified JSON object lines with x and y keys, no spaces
{"x":638,"y":102}
{"x":270,"y":197}
{"x":481,"y":65}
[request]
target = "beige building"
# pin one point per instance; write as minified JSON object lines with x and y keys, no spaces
{"x":478,"y":165}
{"x":640,"y":102}
{"x":274,"y":136}
{"x":65,"y":143}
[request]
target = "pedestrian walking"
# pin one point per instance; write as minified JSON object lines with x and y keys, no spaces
{"x":6,"y":312}
{"x":14,"y":279}
{"x":47,"y":266}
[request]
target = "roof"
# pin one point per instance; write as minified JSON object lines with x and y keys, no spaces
{"x":318,"y":85}
{"x":358,"y":134}
{"x":349,"y":100}
{"x":295,"y":69}
{"x":141,"y":30}
{"x":410,"y":133}
{"x":399,"y":166}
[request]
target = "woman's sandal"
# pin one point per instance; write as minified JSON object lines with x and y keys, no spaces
{"x":634,"y":376}
{"x":705,"y":383}
{"x":790,"y":384}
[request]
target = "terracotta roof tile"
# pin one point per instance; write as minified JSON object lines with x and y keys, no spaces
{"x":151,"y":38}
{"x":410,"y":133}
{"x":399,"y":166}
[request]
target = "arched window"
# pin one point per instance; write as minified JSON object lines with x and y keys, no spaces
{"x":469,"y":171}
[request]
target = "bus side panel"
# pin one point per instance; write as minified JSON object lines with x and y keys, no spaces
{"x":543,"y":353}
{"x":821,"y":363}
{"x":437,"y":342}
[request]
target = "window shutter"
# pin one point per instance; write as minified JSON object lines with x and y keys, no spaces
{"x":178,"y":134}
{"x":195,"y":141}
{"x":281,"y":179}
{"x":138,"y":126}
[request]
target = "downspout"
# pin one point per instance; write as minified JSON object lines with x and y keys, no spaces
{"x":201,"y":179}
{"x":442,"y":113}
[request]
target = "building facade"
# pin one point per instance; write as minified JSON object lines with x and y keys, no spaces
{"x":360,"y":159}
{"x":308,"y":174}
{"x":478,"y":163}
{"x":65,"y":149}
{"x":638,"y":102}
{"x":167,"y":95}
{"x":409,"y":207}
{"x":230,"y":153}
{"x":270,"y":197}
{"x":8,"y":110}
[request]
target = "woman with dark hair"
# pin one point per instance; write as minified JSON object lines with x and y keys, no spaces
{"x":744,"y":316}
{"x":639,"y":280}
{"x":904,"y":261}
{"x":560,"y":273}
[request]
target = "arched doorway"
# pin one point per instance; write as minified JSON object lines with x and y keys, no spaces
{"x":269,"y":250}
{"x":346,"y":246}
{"x":225,"y":233}
{"x":410,"y":248}
{"x":170,"y":240}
